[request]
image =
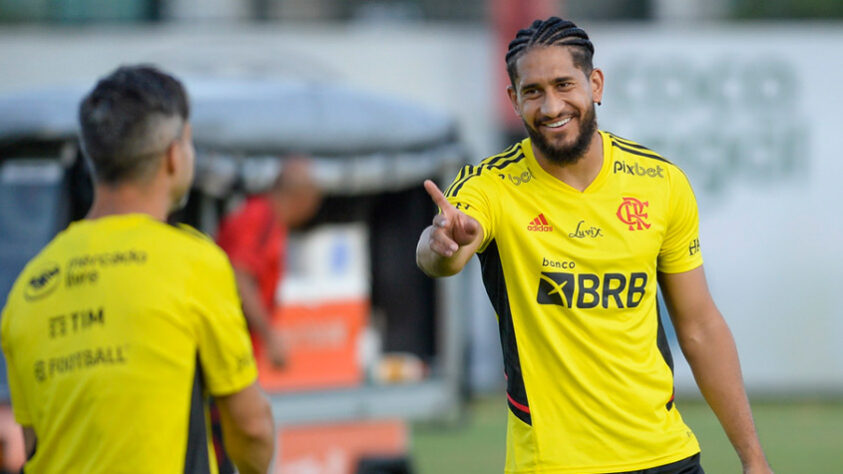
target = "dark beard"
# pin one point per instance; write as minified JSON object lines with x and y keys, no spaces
{"x":569,"y":154}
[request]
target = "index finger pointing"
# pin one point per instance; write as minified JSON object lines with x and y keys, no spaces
{"x":437,"y":196}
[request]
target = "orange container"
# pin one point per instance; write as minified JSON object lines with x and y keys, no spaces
{"x":336,"y":448}
{"x":321,"y":341}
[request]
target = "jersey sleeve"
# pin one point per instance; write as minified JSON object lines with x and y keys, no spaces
{"x":469,"y":193}
{"x":225,"y":349}
{"x":680,"y":250}
{"x":19,"y":406}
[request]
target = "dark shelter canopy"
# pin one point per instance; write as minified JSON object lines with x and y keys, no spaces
{"x":361,"y":142}
{"x":371,"y":154}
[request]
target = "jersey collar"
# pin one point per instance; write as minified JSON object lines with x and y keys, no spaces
{"x":550,"y":180}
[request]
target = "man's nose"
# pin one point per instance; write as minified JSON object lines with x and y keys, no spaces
{"x":552,"y":106}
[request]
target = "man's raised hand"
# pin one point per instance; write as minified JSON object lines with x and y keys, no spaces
{"x":452,"y":228}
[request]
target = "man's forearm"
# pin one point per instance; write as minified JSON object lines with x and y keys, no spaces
{"x":256,"y":315}
{"x":251,"y":454}
{"x":248,"y":429}
{"x":711,"y":353}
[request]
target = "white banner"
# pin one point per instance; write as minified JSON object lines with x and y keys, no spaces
{"x":753,"y":116}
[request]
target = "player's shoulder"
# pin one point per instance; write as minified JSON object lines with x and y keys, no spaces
{"x":197,"y":258}
{"x":191,"y":234}
{"x":200,"y":245}
{"x":489,"y":170}
{"x":634,"y":158}
{"x":511,"y":156}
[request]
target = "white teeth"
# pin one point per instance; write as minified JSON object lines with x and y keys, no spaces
{"x":559,"y":123}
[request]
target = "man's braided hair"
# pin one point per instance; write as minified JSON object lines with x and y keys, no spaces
{"x":551,"y":32}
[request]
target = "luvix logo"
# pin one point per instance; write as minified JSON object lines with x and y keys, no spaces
{"x":540,"y":224}
{"x":631,"y":212}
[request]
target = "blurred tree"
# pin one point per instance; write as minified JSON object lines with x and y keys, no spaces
{"x":75,"y":11}
{"x":788,"y":9}
{"x":607,"y":10}
{"x":436,"y":10}
{"x":22,"y":10}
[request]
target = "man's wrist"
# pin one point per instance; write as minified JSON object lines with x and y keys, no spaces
{"x":756,"y":464}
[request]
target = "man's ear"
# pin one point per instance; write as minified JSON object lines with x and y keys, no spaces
{"x":171,"y":159}
{"x":513,"y":99}
{"x":596,"y":79}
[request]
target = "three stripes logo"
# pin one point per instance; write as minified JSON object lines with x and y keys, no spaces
{"x":540,"y":224}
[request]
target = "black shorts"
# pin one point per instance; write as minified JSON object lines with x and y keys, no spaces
{"x":690,"y":465}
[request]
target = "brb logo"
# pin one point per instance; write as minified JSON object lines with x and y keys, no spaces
{"x":631,"y":212}
{"x":587,"y":290}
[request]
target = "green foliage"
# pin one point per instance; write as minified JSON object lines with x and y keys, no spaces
{"x":77,"y":11}
{"x":788,"y":9}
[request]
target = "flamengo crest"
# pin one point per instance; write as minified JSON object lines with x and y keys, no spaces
{"x":631,"y":212}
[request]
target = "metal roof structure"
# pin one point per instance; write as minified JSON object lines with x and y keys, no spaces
{"x":361,"y":142}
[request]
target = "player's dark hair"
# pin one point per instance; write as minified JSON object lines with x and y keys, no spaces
{"x":129,"y":119}
{"x":551,"y":32}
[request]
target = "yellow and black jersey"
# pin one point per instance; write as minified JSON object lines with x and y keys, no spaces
{"x":114,"y":335}
{"x":572,"y":277}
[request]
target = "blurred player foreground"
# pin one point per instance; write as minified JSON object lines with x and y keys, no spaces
{"x":121,"y":326}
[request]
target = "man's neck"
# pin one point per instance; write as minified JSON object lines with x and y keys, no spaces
{"x":128,"y":199}
{"x":580,"y":174}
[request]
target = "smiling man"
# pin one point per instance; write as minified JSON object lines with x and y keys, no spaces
{"x":573,"y":253}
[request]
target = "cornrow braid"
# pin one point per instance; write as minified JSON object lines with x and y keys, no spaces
{"x":550,"y":32}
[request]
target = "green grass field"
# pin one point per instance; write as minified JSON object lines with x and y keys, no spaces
{"x":798,"y":437}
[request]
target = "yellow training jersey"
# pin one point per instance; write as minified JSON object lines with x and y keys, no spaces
{"x":113,"y":335}
{"x":572,"y":278}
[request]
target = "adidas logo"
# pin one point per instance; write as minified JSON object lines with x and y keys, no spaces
{"x":540,"y":224}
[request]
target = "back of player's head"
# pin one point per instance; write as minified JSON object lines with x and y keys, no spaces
{"x":129,"y":120}
{"x":551,"y":32}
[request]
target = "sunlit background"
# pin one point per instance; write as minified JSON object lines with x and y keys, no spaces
{"x":391,"y":370}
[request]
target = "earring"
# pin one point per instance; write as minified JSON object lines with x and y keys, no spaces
{"x":599,"y":103}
